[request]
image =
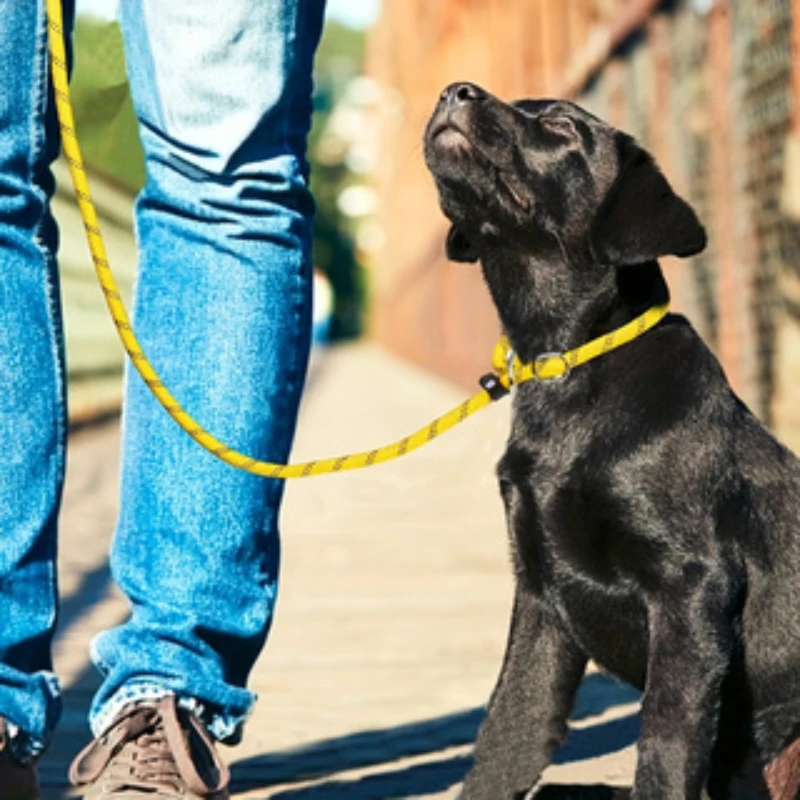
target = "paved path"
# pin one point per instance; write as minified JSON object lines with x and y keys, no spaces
{"x":393,"y":610}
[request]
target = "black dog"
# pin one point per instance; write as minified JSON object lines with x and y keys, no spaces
{"x":655,"y":523}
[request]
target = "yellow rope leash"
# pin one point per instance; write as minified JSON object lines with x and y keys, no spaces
{"x":509,"y":370}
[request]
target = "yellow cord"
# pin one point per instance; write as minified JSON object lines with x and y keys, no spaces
{"x":508,"y":368}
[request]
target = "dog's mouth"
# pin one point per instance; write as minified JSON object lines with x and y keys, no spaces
{"x":515,"y":191}
{"x":449,"y":137}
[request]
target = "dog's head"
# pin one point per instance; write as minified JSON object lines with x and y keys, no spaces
{"x":541,"y":174}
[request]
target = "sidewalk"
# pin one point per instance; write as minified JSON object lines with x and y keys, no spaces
{"x":393,"y":609}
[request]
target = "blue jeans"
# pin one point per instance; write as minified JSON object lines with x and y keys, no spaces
{"x":223,"y":309}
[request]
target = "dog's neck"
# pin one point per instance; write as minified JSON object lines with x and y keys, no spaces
{"x":547,"y":306}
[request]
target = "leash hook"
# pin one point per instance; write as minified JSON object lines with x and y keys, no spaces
{"x":493,"y":386}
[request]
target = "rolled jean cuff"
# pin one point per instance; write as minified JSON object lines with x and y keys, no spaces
{"x":223,"y":727}
{"x":24,"y":747}
{"x":27,"y":746}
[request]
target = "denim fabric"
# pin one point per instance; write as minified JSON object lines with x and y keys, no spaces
{"x":32,"y":399}
{"x":223,"y":309}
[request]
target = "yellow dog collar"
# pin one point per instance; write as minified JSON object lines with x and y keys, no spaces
{"x":554,"y":367}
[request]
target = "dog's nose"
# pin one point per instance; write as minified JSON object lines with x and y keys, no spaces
{"x":461,"y":93}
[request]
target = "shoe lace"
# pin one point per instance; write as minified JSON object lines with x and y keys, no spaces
{"x":153,"y":747}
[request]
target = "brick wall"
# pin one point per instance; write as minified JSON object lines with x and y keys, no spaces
{"x":706,"y":85}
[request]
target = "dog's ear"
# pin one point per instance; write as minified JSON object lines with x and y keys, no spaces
{"x":641,"y":217}
{"x":459,"y":248}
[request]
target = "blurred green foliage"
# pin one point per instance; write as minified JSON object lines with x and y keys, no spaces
{"x":339,"y":59}
{"x":104,"y":113}
{"x":108,"y":135}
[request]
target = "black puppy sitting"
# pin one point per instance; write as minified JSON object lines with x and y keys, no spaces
{"x":655,"y":523}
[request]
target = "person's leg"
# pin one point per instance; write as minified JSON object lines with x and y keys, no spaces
{"x":32,"y":400}
{"x":223,"y":309}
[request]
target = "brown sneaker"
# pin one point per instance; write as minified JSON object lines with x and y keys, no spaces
{"x":153,"y":750}
{"x":17,"y":781}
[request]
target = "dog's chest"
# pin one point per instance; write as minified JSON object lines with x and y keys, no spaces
{"x":577,"y":548}
{"x":610,"y":627}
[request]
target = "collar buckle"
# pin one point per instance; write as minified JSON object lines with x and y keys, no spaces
{"x":540,"y":364}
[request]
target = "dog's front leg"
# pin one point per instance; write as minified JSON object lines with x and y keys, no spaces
{"x":527,"y":715}
{"x":691,"y":641}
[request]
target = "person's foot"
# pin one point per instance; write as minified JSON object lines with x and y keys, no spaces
{"x":17,"y":781}
{"x":152,"y":751}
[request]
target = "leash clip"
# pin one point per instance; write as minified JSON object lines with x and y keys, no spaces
{"x":542,"y":359}
{"x":492,"y":385}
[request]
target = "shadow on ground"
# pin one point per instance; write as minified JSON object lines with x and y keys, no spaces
{"x":325,"y":761}
{"x":431,"y":745}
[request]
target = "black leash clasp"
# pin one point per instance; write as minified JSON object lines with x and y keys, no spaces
{"x":491,"y":384}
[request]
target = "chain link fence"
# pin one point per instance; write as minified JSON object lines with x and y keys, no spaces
{"x":721,"y":135}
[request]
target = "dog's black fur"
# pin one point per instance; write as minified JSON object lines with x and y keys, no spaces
{"x":655,"y":524}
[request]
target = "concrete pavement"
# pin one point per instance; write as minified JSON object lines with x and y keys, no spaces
{"x":393,"y":609}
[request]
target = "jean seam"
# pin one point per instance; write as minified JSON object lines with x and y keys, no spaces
{"x":220,"y":725}
{"x":304,"y":283}
{"x":38,"y":133}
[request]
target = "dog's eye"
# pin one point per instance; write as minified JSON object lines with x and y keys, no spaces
{"x":562,"y":126}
